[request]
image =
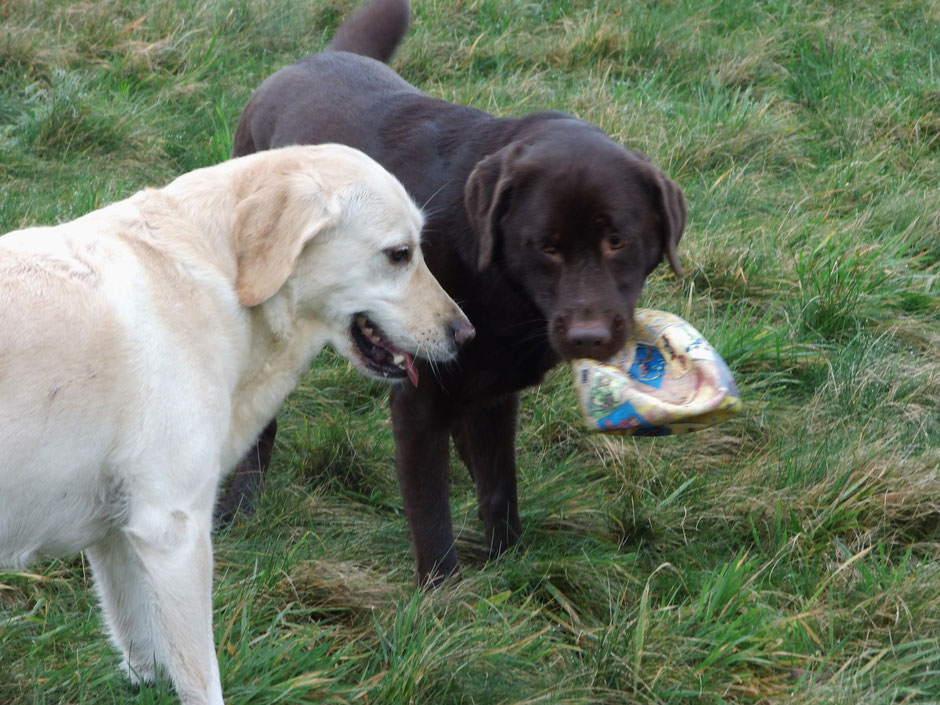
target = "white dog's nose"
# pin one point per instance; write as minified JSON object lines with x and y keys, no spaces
{"x":462,"y":329}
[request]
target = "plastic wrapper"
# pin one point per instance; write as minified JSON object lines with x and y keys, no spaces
{"x":667,"y":380}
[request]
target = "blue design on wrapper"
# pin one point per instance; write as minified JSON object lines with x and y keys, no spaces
{"x":649,"y":365}
{"x":623,"y":417}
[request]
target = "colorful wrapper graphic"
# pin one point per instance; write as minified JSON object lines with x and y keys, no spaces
{"x":668,"y":380}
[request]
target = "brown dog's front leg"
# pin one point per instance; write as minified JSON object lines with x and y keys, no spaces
{"x":485,"y":436}
{"x":421,"y":429}
{"x":244,"y":490}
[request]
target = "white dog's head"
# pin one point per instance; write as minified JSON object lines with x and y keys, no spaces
{"x":339,"y":239}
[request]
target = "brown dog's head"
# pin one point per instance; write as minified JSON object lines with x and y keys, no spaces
{"x":579,"y":222}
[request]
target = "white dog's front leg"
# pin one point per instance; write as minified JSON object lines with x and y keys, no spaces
{"x":174,"y":549}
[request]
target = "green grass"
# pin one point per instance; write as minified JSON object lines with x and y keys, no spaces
{"x":791,"y":555}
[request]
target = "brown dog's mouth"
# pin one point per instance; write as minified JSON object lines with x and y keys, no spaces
{"x":379,"y":353}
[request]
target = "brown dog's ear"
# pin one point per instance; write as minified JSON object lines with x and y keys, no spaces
{"x":670,"y":206}
{"x":486,"y":198}
{"x":271,"y":230}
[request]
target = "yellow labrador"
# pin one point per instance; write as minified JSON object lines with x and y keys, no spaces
{"x":144,"y":345}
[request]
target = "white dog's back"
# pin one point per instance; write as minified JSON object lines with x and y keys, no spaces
{"x":73,"y":339}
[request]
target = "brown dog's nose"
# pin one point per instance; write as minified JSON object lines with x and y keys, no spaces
{"x":587,"y":338}
{"x":462,"y":329}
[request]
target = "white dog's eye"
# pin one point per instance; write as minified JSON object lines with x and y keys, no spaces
{"x":398,"y":255}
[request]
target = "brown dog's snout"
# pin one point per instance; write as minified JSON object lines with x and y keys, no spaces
{"x":588,"y":336}
{"x":598,"y":338}
{"x":461,"y":328}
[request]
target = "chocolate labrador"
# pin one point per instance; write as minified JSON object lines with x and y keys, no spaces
{"x":542,"y":228}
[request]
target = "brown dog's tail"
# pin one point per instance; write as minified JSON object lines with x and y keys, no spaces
{"x":375,"y":30}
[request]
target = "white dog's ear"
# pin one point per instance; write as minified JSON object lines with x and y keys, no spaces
{"x":271,"y":229}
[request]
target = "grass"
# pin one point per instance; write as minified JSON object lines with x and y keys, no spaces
{"x":791,"y":555}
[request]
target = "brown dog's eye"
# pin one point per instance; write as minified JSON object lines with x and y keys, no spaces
{"x":615,"y":241}
{"x":398,"y":255}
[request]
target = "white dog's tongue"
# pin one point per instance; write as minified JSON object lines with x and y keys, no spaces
{"x":412,"y":372}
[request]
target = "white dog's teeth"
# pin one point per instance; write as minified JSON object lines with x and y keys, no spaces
{"x":366,"y":326}
{"x":399,"y":360}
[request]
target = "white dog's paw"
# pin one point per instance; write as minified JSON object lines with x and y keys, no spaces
{"x":139,"y":670}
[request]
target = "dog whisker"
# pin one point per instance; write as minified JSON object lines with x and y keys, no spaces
{"x":431,"y":197}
